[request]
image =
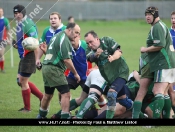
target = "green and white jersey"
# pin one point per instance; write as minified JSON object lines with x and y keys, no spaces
{"x":59,"y":48}
{"x":115,"y":69}
{"x":159,"y":35}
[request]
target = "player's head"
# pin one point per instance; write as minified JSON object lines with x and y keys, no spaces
{"x":152,"y":11}
{"x":92,"y":40}
{"x":1,"y":12}
{"x":19,"y":12}
{"x":55,"y":20}
{"x":173,"y":19}
{"x":72,"y":31}
{"x":70,"y":19}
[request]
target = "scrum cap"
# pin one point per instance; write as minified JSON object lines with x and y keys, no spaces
{"x":19,"y":8}
{"x":153,"y":10}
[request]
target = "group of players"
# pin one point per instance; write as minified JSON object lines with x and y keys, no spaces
{"x":151,"y":88}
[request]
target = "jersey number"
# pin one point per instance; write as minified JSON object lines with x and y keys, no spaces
{"x":53,"y":40}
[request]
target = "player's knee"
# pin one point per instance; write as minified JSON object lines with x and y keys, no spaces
{"x":111,"y":96}
{"x":19,"y":84}
{"x":94,"y":96}
{"x":128,"y":103}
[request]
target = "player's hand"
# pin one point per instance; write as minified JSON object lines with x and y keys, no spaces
{"x":98,"y":52}
{"x":43,"y":47}
{"x":14,"y":44}
{"x":77,"y":77}
{"x":38,"y":64}
{"x":110,"y":58}
{"x":39,"y":67}
{"x":143,"y":49}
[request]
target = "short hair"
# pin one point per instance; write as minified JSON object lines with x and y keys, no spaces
{"x":94,"y":34}
{"x":71,"y":25}
{"x":172,"y":13}
{"x":70,"y":17}
{"x":1,"y":8}
{"x":55,"y":13}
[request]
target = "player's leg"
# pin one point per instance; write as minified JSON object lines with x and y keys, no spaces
{"x":102,"y":101}
{"x":171,"y":93}
{"x":115,"y":87}
{"x":144,"y":84}
{"x":145,"y":81}
{"x":72,"y":83}
{"x":23,"y":78}
{"x":160,"y":85}
{"x":2,"y":58}
{"x":166,"y":111}
{"x":94,"y":94}
{"x":65,"y":98}
{"x":35,"y":91}
{"x":44,"y":108}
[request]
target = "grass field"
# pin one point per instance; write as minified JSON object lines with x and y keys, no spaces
{"x":131,"y":35}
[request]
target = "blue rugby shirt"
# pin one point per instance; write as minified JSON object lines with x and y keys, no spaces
{"x":80,"y":61}
{"x":48,"y":33}
{"x":172,"y":31}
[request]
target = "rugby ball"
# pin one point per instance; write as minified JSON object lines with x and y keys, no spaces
{"x":30,"y":43}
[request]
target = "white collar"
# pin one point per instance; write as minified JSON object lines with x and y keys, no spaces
{"x":172,"y":28}
{"x":53,"y":31}
{"x":2,"y":17}
{"x":78,"y":46}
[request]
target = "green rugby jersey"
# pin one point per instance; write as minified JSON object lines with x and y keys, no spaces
{"x":59,"y":48}
{"x":110,"y":70}
{"x":159,"y":35}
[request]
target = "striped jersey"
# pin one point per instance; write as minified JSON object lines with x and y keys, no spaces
{"x":25,"y":28}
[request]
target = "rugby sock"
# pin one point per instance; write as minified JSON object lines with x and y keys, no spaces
{"x":35,"y":90}
{"x":111,"y":105}
{"x":136,"y":109}
{"x":101,"y":116}
{"x":42,"y":112}
{"x":110,"y":114}
{"x":158,"y":105}
{"x":26,"y":98}
{"x":167,"y":107}
{"x":73,"y":105}
{"x":85,"y":105}
{"x":142,"y":115}
{"x":65,"y":115}
{"x":2,"y":65}
{"x":102,"y":103}
{"x":91,"y":114}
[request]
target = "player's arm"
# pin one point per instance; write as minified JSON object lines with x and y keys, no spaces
{"x":117,"y":54}
{"x":7,"y":25}
{"x":136,"y":76}
{"x":158,"y":40}
{"x":91,"y":55}
{"x":66,"y":54}
{"x":150,"y":49}
{"x":114,"y":49}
